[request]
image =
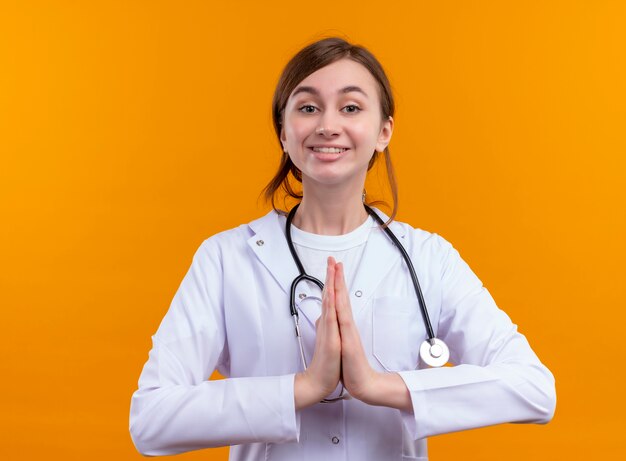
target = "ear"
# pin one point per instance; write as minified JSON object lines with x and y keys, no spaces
{"x":385,"y":135}
{"x":283,"y":138}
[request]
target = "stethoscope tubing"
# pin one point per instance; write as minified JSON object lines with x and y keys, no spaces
{"x":304,"y":276}
{"x":433,"y":351}
{"x":418,"y":290}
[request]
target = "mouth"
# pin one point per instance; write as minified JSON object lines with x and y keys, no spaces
{"x":328,"y":154}
{"x":329,"y":150}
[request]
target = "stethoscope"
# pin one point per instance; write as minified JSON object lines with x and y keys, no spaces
{"x":433,"y":351}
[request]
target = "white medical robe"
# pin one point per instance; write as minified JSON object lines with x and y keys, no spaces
{"x":231,"y":313}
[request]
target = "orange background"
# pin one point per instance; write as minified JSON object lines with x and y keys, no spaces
{"x":130,"y":131}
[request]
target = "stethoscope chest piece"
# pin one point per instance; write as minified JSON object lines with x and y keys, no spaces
{"x":435,"y":354}
{"x":433,"y":351}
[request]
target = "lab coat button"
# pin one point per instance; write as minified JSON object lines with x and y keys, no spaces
{"x":335,"y":440}
{"x":302,"y":295}
{"x":260,"y":243}
{"x":358,"y":293}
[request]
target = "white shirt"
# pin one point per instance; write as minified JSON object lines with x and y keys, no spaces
{"x":231,"y":313}
{"x":314,"y":249}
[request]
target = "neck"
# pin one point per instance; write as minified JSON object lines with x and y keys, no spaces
{"x":330,"y":210}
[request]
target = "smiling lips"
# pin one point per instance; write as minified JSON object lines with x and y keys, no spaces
{"x":328,"y":154}
{"x":329,"y":150}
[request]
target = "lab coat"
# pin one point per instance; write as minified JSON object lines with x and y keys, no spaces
{"x":231,"y":313}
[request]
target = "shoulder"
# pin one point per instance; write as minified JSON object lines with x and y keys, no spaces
{"x":235,"y":240}
{"x":419,"y":241}
{"x":424,"y":239}
{"x":437,"y":256}
{"x":430,"y":252}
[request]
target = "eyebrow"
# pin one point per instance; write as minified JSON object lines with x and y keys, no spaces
{"x":313,"y":91}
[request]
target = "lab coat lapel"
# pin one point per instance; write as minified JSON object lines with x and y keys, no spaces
{"x":379,"y":256}
{"x":270,"y":245}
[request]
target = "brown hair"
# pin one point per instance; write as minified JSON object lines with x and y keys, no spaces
{"x":308,"y":60}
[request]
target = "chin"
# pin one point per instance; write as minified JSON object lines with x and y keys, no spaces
{"x":331,"y":179}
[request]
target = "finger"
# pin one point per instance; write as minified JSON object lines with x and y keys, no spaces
{"x":339,"y":290}
{"x":340,"y":281}
{"x":330,"y":275}
{"x":342,"y":299}
{"x":329,"y":287}
{"x":328,"y":299}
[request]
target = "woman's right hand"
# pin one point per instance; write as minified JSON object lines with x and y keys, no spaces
{"x":323,"y":373}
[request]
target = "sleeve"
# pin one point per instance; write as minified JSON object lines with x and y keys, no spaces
{"x":175,"y":408}
{"x":497,"y":378}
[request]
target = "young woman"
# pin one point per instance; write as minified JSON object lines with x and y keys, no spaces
{"x":351,"y":378}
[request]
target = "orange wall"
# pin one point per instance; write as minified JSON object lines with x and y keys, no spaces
{"x":132,"y":130}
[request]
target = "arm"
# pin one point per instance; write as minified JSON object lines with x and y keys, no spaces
{"x":497,"y":377}
{"x":175,"y":409}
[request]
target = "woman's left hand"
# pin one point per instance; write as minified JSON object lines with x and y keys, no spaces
{"x":359,"y":378}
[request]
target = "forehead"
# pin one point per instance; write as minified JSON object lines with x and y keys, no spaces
{"x":339,"y":75}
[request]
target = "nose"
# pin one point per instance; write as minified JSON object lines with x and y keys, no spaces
{"x":329,"y":125}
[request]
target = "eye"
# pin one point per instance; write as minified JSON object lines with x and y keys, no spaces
{"x":307,"y":109}
{"x":352,"y":109}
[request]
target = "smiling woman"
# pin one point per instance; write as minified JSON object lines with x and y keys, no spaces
{"x":331,"y":127}
{"x":361,"y":378}
{"x":326,"y":79}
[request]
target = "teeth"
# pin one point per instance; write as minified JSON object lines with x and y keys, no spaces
{"x":329,"y":150}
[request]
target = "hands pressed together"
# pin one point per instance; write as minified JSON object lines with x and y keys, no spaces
{"x":339,"y":355}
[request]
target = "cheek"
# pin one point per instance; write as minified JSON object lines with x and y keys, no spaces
{"x":365,"y":134}
{"x":297,"y":129}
